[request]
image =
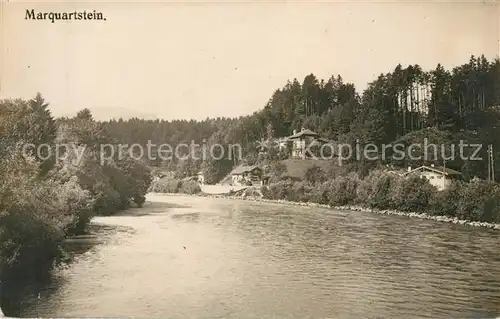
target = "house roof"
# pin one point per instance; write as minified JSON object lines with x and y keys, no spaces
{"x":438,"y":169}
{"x":243,"y":169}
{"x":303,"y":133}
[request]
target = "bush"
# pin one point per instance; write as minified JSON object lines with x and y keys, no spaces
{"x":33,"y":220}
{"x":315,"y":175}
{"x":320,"y":193}
{"x":363,"y":193}
{"x":412,"y":194}
{"x":380,"y":195}
{"x":446,"y":202}
{"x":106,"y":199}
{"x":280,"y":190}
{"x":343,"y":190}
{"x":166,"y":185}
{"x":276,"y":171}
{"x":300,"y":192}
{"x":264,"y":189}
{"x":189,"y":187}
{"x":171,"y":185}
{"x":78,"y":205}
{"x":479,"y":201}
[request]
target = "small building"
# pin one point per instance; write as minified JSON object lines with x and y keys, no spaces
{"x":440,"y":177}
{"x":301,"y":140}
{"x":201,"y":177}
{"x":246,"y":175}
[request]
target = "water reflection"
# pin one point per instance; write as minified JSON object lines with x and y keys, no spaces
{"x":206,"y":258}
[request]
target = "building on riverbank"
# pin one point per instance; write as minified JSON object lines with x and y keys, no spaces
{"x":246,"y":175}
{"x":440,"y":177}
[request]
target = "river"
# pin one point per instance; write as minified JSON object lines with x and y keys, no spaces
{"x":194,"y":257}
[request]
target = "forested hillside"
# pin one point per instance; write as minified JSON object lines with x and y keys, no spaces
{"x":407,"y":105}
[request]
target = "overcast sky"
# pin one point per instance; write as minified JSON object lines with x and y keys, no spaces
{"x":178,"y":60}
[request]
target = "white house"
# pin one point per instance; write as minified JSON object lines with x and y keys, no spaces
{"x":440,"y":177}
{"x":301,"y":140}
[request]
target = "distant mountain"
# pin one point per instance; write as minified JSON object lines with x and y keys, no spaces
{"x":108,"y":113}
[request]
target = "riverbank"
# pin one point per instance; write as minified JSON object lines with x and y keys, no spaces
{"x":439,"y":218}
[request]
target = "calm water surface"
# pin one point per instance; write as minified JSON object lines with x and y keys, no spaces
{"x":187,"y":257}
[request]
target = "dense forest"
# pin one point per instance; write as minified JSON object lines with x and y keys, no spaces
{"x":404,"y":106}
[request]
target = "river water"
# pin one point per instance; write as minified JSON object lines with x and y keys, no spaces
{"x":190,"y":257}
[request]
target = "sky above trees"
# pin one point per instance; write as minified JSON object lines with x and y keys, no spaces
{"x":181,"y":60}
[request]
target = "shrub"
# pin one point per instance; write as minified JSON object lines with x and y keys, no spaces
{"x":320,"y":193}
{"x":363,"y":192}
{"x":171,"y":185}
{"x":264,"y":189}
{"x":33,"y":221}
{"x":166,"y":185}
{"x":315,"y":175}
{"x":280,"y":190}
{"x":412,"y":194}
{"x":139,"y":199}
{"x":78,"y":205}
{"x":189,"y":187}
{"x":479,"y":201}
{"x":106,"y":199}
{"x":276,"y":171}
{"x":300,"y":192}
{"x":381,"y":195}
{"x":446,"y":202}
{"x":343,"y":190}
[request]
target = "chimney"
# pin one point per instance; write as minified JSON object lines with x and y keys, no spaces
{"x":303,"y":129}
{"x":294,"y":132}
{"x":409,"y":168}
{"x":432,"y":165}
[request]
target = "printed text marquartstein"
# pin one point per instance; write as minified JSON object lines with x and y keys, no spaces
{"x":63,"y":16}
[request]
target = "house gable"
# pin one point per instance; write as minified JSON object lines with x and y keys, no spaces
{"x":437,"y":170}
